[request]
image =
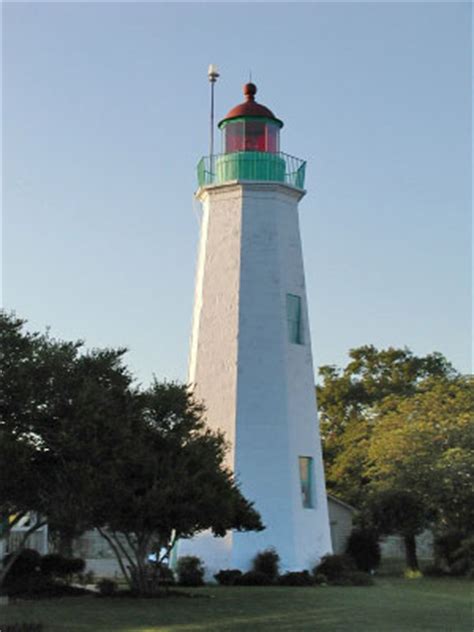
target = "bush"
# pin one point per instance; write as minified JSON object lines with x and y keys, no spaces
{"x":253,"y":578}
{"x":26,"y":564}
{"x":364,"y":548}
{"x":445,"y":546}
{"x":268,"y":563}
{"x":55,"y":565}
{"x":463,"y":558}
{"x":334,"y":567}
{"x":433,"y":570}
{"x":302,"y":578}
{"x":320,"y":579}
{"x":228,"y":577}
{"x":190,"y":571}
{"x":37,"y":586}
{"x":107,"y":587}
{"x":165,"y":576}
{"x":86,"y":578}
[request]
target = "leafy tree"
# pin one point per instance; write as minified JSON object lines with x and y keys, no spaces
{"x":399,"y":512}
{"x":164,"y":482}
{"x":55,"y":403}
{"x":81,"y":448}
{"x":424,"y":445}
{"x":348,"y":401}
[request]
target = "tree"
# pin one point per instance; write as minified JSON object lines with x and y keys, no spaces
{"x":348,"y":401}
{"x":55,"y":402}
{"x":166,"y":482}
{"x":397,"y":511}
{"x":424,"y":445}
{"x":81,"y":448}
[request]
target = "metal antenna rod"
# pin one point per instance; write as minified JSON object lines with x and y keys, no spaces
{"x":212,"y":75}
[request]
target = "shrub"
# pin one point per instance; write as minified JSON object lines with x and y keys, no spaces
{"x":267,"y":562}
{"x":55,"y":565}
{"x":190,"y":571}
{"x":228,"y":577}
{"x":165,"y":575}
{"x":433,"y":570}
{"x":445,"y":546}
{"x":364,"y":548}
{"x":86,"y":578}
{"x":26,"y":564}
{"x":253,"y":578}
{"x":334,"y":567}
{"x":37,"y":586}
{"x":463,"y":558}
{"x":320,"y":579}
{"x":107,"y":587}
{"x":302,"y":578}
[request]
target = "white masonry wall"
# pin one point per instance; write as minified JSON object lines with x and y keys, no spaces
{"x":257,"y":386}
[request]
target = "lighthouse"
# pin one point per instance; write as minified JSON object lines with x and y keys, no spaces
{"x":250,"y":358}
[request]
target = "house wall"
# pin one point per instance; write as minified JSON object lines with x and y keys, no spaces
{"x":340,"y":521}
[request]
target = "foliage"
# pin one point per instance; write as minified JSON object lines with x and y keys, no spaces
{"x":166,"y":480}
{"x":463,"y":558}
{"x":253,"y":578}
{"x":190,"y":571}
{"x":348,"y":401}
{"x":107,"y":587}
{"x":37,"y":586}
{"x":159,"y":476}
{"x":425,"y":445}
{"x":302,"y":578}
{"x":334,"y":567}
{"x":56,"y":405}
{"x":27,"y":563}
{"x":364,"y":548}
{"x":268,"y":563}
{"x":396,"y":511}
{"x":56,"y":565}
{"x":228,"y":577}
{"x":445,"y":545}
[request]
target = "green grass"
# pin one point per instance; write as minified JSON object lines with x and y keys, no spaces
{"x":392,"y":605}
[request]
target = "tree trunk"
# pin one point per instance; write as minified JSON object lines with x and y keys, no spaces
{"x":410,"y":552}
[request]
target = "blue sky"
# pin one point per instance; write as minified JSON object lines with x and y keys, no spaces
{"x":105,"y":115}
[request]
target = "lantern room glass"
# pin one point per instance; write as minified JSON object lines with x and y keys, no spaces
{"x":251,"y":134}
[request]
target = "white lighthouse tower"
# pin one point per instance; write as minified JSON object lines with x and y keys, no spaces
{"x":250,"y":358}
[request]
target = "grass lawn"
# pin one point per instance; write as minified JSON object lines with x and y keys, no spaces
{"x":392,"y":605}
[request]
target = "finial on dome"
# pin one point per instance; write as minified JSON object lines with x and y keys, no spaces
{"x":250,"y":90}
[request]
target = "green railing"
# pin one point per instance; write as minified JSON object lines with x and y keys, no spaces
{"x":251,"y":165}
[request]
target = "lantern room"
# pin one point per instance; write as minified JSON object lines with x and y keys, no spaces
{"x":251,"y":149}
{"x":250,"y":126}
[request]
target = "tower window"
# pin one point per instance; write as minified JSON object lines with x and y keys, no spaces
{"x":293,"y":313}
{"x":306,"y":475}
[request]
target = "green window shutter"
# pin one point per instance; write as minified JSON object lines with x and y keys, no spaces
{"x":293,"y":314}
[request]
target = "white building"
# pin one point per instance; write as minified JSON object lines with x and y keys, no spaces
{"x":250,"y":358}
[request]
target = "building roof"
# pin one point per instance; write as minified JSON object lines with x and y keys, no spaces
{"x":341,"y":502}
{"x":250,"y":107}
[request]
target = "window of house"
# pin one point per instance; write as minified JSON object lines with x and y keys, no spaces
{"x":293,"y":311}
{"x":306,"y":473}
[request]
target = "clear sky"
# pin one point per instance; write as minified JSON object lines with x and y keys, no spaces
{"x":105,"y":115}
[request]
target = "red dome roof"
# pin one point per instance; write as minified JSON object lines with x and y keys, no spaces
{"x":250,"y":107}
